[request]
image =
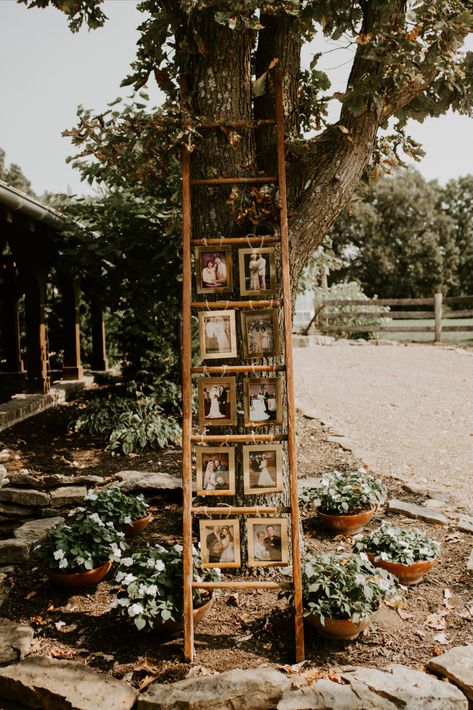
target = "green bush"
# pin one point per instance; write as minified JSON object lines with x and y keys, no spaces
{"x":129,"y":423}
{"x":349,"y":291}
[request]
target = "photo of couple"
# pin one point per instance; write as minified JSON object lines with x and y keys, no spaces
{"x":213,"y":269}
{"x":220,"y":543}
{"x":217,"y":335}
{"x":257,"y":271}
{"x":262,"y":469}
{"x":262,"y":401}
{"x":215,"y":468}
{"x":267,"y":542}
{"x":260,"y":333}
{"x":217,"y":401}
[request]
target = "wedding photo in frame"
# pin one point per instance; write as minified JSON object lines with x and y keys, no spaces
{"x":267,"y":542}
{"x":262,"y":401}
{"x":257,"y":271}
{"x":260,"y":333}
{"x":217,"y":401}
{"x":215,"y":470}
{"x":217,"y":335}
{"x":213,"y":269}
{"x":220,"y":542}
{"x":262,"y":469}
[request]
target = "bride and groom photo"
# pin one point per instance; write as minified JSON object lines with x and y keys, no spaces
{"x":262,"y":401}
{"x":220,"y":543}
{"x":215,"y":470}
{"x":217,"y":398}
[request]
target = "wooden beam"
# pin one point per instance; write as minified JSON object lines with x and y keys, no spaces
{"x":234,"y":181}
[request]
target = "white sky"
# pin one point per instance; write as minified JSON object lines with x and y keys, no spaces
{"x":46,"y":72}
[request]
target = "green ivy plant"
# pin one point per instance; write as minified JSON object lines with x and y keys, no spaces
{"x":114,"y":506}
{"x":81,"y":544}
{"x":391,"y":543}
{"x":152,"y":582}
{"x":344,"y":586}
{"x":345,"y":494}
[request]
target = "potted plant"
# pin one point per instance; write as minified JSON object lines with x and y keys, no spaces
{"x":127,"y":513}
{"x":408,"y":554}
{"x":81,"y":551}
{"x":346,"y":502}
{"x":151,"y":594}
{"x":341,"y":592}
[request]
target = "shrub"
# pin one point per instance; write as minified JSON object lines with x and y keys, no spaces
{"x":115,"y":506}
{"x":345,"y":494}
{"x":391,"y":543}
{"x":349,"y":291}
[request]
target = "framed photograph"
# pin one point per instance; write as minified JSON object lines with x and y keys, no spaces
{"x":220,"y":542}
{"x":257,"y":271}
{"x":262,"y":401}
{"x":217,"y":401}
{"x":213,"y":269}
{"x":262,"y":468}
{"x":260,"y":333}
{"x":215,"y":469}
{"x":267,"y":542}
{"x":217,"y":335}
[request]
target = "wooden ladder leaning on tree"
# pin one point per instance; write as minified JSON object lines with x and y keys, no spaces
{"x":187,"y":371}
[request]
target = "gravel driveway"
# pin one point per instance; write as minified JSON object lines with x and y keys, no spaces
{"x":407,"y":410}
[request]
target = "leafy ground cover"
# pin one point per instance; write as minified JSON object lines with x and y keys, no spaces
{"x":242,"y":630}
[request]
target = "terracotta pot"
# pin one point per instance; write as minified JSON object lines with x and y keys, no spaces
{"x":341,"y":629}
{"x":406,"y":574}
{"x":348,"y":524}
{"x":176,"y":627}
{"x":137,"y":526}
{"x":77,"y":580}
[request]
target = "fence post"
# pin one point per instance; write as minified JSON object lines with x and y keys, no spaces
{"x":438,"y":317}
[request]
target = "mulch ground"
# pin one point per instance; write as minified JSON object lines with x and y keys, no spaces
{"x":242,"y":630}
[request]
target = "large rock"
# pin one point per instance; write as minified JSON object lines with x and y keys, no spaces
{"x":3,"y":471}
{"x":12,"y":551}
{"x":16,"y":511}
{"x":410,"y":510}
{"x":409,"y":688}
{"x":15,"y":640}
{"x":5,"y":455}
{"x":325,"y":694}
{"x":24,"y":496}
{"x":35,"y":531}
{"x":67,"y":495}
{"x":465,"y":523}
{"x":41,"y":682}
{"x":20,"y":478}
{"x":253,"y":689}
{"x":147,"y":481}
{"x":457,"y":666}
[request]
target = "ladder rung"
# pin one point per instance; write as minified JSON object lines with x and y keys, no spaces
{"x":235,"y":438}
{"x":219,"y":241}
{"x":239,"y":510}
{"x":234,"y":181}
{"x":252,"y":305}
{"x":224,"y":369}
{"x":251,"y":123}
{"x":242,"y":585}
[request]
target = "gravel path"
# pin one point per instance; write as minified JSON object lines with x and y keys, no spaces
{"x":407,"y":410}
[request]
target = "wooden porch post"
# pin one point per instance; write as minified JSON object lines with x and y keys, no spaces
{"x":99,"y":359}
{"x":37,"y":380}
{"x":10,"y":318}
{"x":70,"y":288}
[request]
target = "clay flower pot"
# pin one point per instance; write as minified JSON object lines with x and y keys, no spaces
{"x":337,"y":629}
{"x":77,"y":580}
{"x":407,"y":574}
{"x":348,"y":524}
{"x":136,"y":527}
{"x":176,"y":627}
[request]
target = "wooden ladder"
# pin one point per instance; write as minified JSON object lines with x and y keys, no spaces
{"x":188,"y":439}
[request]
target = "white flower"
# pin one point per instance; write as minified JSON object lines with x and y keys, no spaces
{"x":159,"y":566}
{"x":178,"y":548}
{"x":58,"y":554}
{"x":90,"y":495}
{"x":152,"y":589}
{"x":127,"y":520}
{"x":127,"y":561}
{"x":63,"y":563}
{"x":80,"y":560}
{"x":128,"y":579}
{"x":384,"y":584}
{"x":95,"y":517}
{"x":116,"y":552}
{"x":135,"y":609}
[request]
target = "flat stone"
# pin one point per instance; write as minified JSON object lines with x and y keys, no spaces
{"x":147,"y":480}
{"x":410,"y":510}
{"x":41,"y":682}
{"x":35,"y":531}
{"x":24,"y":496}
{"x":252,"y":689}
{"x":469,"y":564}
{"x":3,"y":471}
{"x":15,"y":640}
{"x":409,"y":688}
{"x":5,"y":455}
{"x":18,"y":478}
{"x":325,"y":694}
{"x":465,"y":523}
{"x":4,"y":482}
{"x":16,"y":511}
{"x":12,"y":551}
{"x":434,"y":504}
{"x":456,"y":665}
{"x":67,"y":495}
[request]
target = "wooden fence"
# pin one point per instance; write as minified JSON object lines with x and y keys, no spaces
{"x":439,"y":309}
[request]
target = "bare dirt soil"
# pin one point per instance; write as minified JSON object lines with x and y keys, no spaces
{"x":242,"y":630}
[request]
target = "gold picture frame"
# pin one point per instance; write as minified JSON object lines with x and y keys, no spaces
{"x":213,"y":269}
{"x":267,"y":542}
{"x":220,"y":542}
{"x":260,"y":333}
{"x":217,"y":335}
{"x":262,"y":401}
{"x":262,"y":469}
{"x":257,"y":269}
{"x":217,"y":479}
{"x":217,"y":401}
